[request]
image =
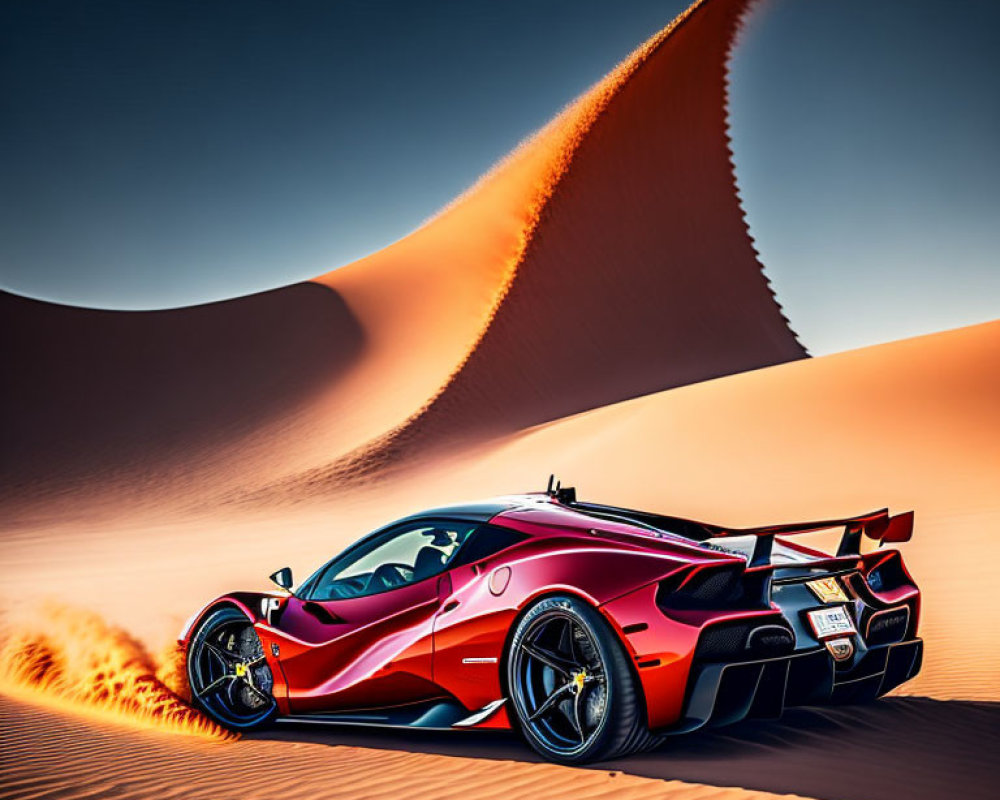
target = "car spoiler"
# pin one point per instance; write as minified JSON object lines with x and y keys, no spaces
{"x":877,"y":525}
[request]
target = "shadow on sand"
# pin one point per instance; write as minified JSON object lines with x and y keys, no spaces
{"x":925,"y":748}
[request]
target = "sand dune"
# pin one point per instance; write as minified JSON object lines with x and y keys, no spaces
{"x":633,"y":270}
{"x":637,"y":272}
{"x":119,"y":404}
{"x":605,"y":258}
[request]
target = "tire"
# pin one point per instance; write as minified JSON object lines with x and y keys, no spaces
{"x":227,"y":671}
{"x":574,"y":694}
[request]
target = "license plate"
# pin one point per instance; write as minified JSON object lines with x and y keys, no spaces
{"x":827,"y":622}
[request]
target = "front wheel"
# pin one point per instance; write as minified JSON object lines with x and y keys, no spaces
{"x":228,"y":673}
{"x":574,"y":694}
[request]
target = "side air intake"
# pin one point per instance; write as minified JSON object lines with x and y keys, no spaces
{"x":719,"y":587}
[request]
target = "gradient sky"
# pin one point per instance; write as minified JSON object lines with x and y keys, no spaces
{"x":156,"y":154}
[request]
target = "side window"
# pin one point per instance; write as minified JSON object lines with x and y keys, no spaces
{"x":398,"y":557}
{"x":484,"y":542}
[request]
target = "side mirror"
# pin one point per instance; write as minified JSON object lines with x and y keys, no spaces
{"x":283,"y":578}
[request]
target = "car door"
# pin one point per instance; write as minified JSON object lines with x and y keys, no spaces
{"x":475,"y":618}
{"x":359,"y":635}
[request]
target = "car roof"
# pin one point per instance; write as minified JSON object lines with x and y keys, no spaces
{"x":481,"y":511}
{"x":571,"y":514}
{"x":565,"y":511}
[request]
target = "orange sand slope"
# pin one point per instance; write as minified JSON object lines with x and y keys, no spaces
{"x":122,"y":402}
{"x":635,"y":271}
{"x":913,"y":424}
{"x":605,"y":258}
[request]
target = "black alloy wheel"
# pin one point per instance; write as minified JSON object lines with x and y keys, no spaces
{"x":228,"y":673}
{"x":573,"y":691}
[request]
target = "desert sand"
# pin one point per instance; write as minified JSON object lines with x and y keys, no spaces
{"x":592,"y":307}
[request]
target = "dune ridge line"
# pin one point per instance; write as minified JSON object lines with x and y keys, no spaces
{"x":569,"y":130}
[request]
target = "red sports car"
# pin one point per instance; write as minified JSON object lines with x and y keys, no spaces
{"x":593,"y":630}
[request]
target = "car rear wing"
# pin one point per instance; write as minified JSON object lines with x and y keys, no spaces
{"x":878,"y":525}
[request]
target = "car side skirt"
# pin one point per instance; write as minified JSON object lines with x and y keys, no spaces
{"x":439,"y":715}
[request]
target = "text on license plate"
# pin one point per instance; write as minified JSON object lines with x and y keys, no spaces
{"x":828,"y":622}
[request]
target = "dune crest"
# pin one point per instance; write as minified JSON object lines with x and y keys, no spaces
{"x":634,"y":271}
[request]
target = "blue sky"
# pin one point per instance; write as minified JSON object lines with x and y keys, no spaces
{"x":160,"y":154}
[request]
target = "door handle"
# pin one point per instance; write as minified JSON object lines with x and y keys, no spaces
{"x":450,"y":606}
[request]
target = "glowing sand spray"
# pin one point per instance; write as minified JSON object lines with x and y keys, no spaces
{"x":74,"y":660}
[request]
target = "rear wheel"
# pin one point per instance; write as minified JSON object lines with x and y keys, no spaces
{"x":227,"y":671}
{"x":572,"y":688}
